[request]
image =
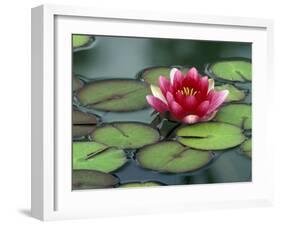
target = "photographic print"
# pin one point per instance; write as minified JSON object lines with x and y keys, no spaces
{"x":159,"y":112}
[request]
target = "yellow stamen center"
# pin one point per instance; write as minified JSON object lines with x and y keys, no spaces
{"x":186,"y":91}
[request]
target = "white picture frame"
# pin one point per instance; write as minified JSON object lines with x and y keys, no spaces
{"x":52,"y":197}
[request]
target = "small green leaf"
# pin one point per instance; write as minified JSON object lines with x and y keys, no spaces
{"x":234,"y":93}
{"x":117,"y":95}
{"x":233,"y":70}
{"x":80,"y":40}
{"x":172,"y":157}
{"x":95,"y":156}
{"x":91,"y":179}
{"x":81,"y":118}
{"x":210,"y":136}
{"x":246,"y":148}
{"x":236,"y":114}
{"x":126,"y":135}
{"x":139,"y":184}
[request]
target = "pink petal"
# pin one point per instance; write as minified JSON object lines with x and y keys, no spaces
{"x":176,"y":110}
{"x":190,"y":119}
{"x":217,"y":100}
{"x":209,"y":116}
{"x":204,"y":85}
{"x":170,"y":98}
{"x":203,"y":108}
{"x":172,"y":74}
{"x":164,"y":84}
{"x":156,"y":103}
{"x":192,"y":74}
{"x":178,"y":80}
{"x":190,"y":103}
{"x":180,"y":98}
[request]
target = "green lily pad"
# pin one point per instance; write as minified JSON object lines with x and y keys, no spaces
{"x":76,"y":83}
{"x":246,"y":148}
{"x":151,"y":75}
{"x":138,"y":184}
{"x":80,"y":40}
{"x":81,"y":118}
{"x":233,"y":70}
{"x":234,"y":93}
{"x":210,"y":136}
{"x":172,"y":157}
{"x":95,"y":156}
{"x":126,"y":135}
{"x":82,"y":130}
{"x":117,"y":95}
{"x":236,"y":114}
{"x":90,"y":179}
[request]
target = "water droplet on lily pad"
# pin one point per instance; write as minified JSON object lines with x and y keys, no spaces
{"x":140,"y":184}
{"x":95,"y":156}
{"x":246,"y":148}
{"x":80,"y":40}
{"x":127,"y":135}
{"x":234,"y":93}
{"x":90,"y":179}
{"x":210,"y":136}
{"x":232,"y":70}
{"x":119,"y":95}
{"x":236,"y":114}
{"x":172,"y":157}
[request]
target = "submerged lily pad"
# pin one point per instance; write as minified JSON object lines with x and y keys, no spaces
{"x":234,"y":93}
{"x":82,"y":130}
{"x":172,"y":157}
{"x":76,"y":83}
{"x":246,"y":148}
{"x":236,"y":114}
{"x":233,"y":70}
{"x":126,"y":134}
{"x":151,"y":75}
{"x":139,"y":184}
{"x":90,"y":179}
{"x":210,"y":136}
{"x":80,"y":40}
{"x":82,"y":118}
{"x":115,"y":95}
{"x":95,"y":156}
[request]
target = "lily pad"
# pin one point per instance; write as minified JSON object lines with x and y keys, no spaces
{"x":82,"y":130}
{"x":210,"y":136}
{"x":234,"y":93}
{"x":90,"y":179}
{"x":80,"y":40}
{"x":233,"y":70}
{"x":139,"y":184}
{"x":95,"y":156}
{"x":117,"y":95}
{"x":172,"y":157}
{"x":82,"y":118}
{"x":76,"y":83}
{"x":127,"y":135}
{"x":236,"y":114}
{"x":246,"y":148}
{"x":151,"y":75}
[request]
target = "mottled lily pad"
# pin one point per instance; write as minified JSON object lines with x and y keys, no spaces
{"x":117,"y":95}
{"x":172,"y":157}
{"x":151,"y":75}
{"x":126,"y":135}
{"x":139,"y":184}
{"x":82,"y":130}
{"x":95,"y":156}
{"x":210,"y":136}
{"x":234,"y":93}
{"x":80,"y":40}
{"x":82,"y":118}
{"x":76,"y":83}
{"x":233,"y":70}
{"x":90,"y":179}
{"x":236,"y":114}
{"x":246,"y":148}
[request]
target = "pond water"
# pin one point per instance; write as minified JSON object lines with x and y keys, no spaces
{"x":122,"y":57}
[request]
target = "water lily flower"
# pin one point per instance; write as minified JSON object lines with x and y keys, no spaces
{"x":189,"y":98}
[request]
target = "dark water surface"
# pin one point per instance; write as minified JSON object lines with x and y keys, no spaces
{"x":117,"y":57}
